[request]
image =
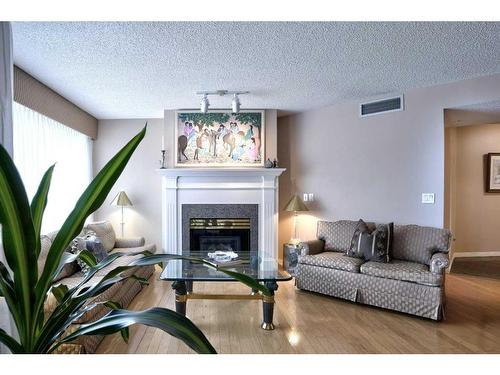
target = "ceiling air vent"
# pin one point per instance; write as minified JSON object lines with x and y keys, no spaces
{"x":381,"y":106}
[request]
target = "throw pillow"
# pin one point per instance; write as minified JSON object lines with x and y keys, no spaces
{"x":91,"y":243}
{"x":94,"y":245}
{"x":372,"y":245}
{"x":356,"y":248}
{"x":104,"y":230}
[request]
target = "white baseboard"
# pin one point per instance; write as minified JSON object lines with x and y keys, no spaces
{"x":468,"y":254}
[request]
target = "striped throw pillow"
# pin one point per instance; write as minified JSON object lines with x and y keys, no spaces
{"x":372,"y":245}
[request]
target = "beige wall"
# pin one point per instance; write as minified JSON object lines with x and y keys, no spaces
{"x":473,"y":214}
{"x":375,"y":167}
{"x":139,"y":179}
{"x":450,"y":175}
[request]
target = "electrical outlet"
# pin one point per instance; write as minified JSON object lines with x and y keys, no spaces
{"x":311,"y":197}
{"x":428,"y":198}
{"x":305,"y":198}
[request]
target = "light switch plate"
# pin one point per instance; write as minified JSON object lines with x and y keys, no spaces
{"x":311,"y":197}
{"x":428,"y":198}
{"x":305,"y":198}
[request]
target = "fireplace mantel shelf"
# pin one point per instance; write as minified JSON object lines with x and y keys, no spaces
{"x":220,"y":172}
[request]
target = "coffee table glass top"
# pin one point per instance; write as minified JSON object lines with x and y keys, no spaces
{"x":247,"y":263}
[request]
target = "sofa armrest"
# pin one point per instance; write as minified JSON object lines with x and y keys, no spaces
{"x":150,"y":247}
{"x":129,"y":242}
{"x":439,"y":262}
{"x":312,"y":247}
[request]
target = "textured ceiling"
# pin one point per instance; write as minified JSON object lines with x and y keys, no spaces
{"x":474,"y":114}
{"x":127,"y":70}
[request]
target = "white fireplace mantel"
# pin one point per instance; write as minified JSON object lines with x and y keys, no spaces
{"x":221,"y":172}
{"x":220,"y":186}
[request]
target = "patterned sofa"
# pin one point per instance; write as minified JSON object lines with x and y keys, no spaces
{"x":412,"y":282}
{"x":123,"y":292}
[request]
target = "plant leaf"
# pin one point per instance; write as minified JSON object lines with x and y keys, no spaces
{"x":91,"y":199}
{"x":167,"y":320}
{"x":57,"y":323}
{"x":10,"y":342}
{"x":66,"y":258}
{"x":113,"y":305}
{"x":247,"y":280}
{"x":88,"y":258}
{"x":7,"y":291}
{"x":38,"y":204}
{"x":59,"y":291}
{"x":70,"y":309}
{"x":125,"y":333}
{"x":141,"y":280}
{"x":19,"y":241}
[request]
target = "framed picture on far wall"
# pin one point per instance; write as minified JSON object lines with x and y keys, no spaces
{"x":219,"y":139}
{"x":493,"y":173}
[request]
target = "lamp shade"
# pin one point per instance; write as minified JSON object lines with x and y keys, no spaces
{"x":121,"y":200}
{"x":295,"y":204}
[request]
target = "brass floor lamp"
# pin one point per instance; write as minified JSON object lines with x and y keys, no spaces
{"x":296,"y":205}
{"x":122,"y":200}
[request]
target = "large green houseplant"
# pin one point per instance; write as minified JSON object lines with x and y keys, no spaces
{"x":25,"y":291}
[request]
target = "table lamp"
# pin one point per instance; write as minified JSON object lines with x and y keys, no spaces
{"x":122,"y":200}
{"x":296,"y":205}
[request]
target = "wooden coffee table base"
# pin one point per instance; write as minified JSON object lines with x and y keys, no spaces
{"x":184,"y":291}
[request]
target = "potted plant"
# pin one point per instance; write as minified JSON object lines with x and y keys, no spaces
{"x":26,"y":291}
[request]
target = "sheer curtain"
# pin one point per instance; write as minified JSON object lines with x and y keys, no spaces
{"x":40,"y":142}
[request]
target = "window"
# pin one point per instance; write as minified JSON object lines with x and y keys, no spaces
{"x":40,"y":142}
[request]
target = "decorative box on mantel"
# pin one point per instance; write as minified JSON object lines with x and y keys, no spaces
{"x":216,"y":188}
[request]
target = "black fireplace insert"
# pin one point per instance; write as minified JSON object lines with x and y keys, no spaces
{"x":221,"y":234}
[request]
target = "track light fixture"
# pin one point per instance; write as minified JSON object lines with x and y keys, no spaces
{"x":235,"y":103}
{"x":204,"y":104}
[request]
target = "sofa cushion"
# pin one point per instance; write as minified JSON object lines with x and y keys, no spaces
{"x":333,"y":260}
{"x":401,"y":270}
{"x":336,"y":234}
{"x":104,"y":230}
{"x":129,"y":242}
{"x":415,"y":243}
{"x":46,"y":242}
{"x":371,"y":244}
{"x":148,"y":247}
{"x":121,"y":261}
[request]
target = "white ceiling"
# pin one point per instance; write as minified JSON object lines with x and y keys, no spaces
{"x":135,"y":70}
{"x":473,"y":114}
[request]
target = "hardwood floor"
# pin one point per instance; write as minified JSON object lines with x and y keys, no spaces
{"x":312,"y":323}
{"x":477,"y":266}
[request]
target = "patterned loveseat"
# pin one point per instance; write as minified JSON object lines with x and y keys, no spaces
{"x":412,"y":282}
{"x":123,"y":292}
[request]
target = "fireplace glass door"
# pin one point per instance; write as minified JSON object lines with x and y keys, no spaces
{"x":230,"y":234}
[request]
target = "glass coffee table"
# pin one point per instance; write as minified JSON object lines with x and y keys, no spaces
{"x":184,"y":273}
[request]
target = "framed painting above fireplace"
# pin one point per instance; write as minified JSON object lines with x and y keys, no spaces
{"x":219,"y":139}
